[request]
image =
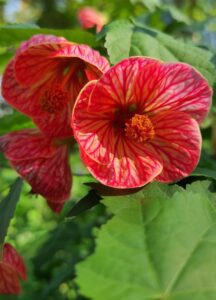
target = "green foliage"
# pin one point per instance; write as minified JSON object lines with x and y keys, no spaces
{"x":139,"y":40}
{"x":146,"y":248}
{"x":160,"y":244}
{"x":150,"y":4}
{"x":7,"y":208}
{"x":12,"y":35}
{"x":14,"y":121}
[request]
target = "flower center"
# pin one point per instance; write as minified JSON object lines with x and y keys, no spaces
{"x":139,"y":128}
{"x":54,"y":100}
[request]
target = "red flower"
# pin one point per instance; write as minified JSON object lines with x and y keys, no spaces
{"x":45,"y":77}
{"x":43,"y":81}
{"x":89,"y":17}
{"x":42,"y":162}
{"x":139,"y":122}
{"x":12,"y":268}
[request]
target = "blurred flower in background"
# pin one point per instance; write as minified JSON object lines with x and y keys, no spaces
{"x":89,"y":17}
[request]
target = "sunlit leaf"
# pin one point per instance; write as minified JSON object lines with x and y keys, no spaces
{"x":160,"y":244}
{"x":142,"y":41}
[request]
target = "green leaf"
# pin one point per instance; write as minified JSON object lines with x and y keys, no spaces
{"x":118,"y":40}
{"x":8,"y":206}
{"x":87,"y":202}
{"x":206,"y":167}
{"x":159,"y":245}
{"x":14,"y":121}
{"x":150,"y":4}
{"x":12,"y":35}
{"x":142,"y":41}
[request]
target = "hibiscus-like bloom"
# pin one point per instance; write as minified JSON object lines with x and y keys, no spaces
{"x":139,"y":122}
{"x":43,"y":81}
{"x":45,"y":77}
{"x":42,"y":161}
{"x":89,"y":17}
{"x":12,"y":268}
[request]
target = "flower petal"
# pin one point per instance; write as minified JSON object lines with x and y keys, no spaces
{"x":26,"y":144}
{"x":9,"y":281}
{"x":38,"y":62}
{"x":89,"y":17}
{"x":109,"y":156}
{"x":92,"y":129}
{"x":42,"y":164}
{"x":40,"y":39}
{"x":12,"y":257}
{"x":116,"y":87}
{"x":97,"y":64}
{"x":22,"y":99}
{"x":132,"y":166}
{"x":55,"y":125}
{"x":177,"y":144}
{"x":175,"y":86}
{"x":49,"y":177}
{"x":94,"y":111}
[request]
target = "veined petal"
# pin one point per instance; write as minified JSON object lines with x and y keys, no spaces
{"x":96,"y":63}
{"x":9,"y":280}
{"x":12,"y":258}
{"x":38,"y":63}
{"x":177,"y":143}
{"x":40,"y":39}
{"x":55,"y":125}
{"x":132,"y":166}
{"x":174,"y":86}
{"x":26,"y":144}
{"x":22,"y":99}
{"x":49,"y":177}
{"x":42,"y":164}
{"x":11,"y":268}
{"x":92,"y":129}
{"x":115,"y":89}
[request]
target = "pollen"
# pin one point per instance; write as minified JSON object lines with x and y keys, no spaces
{"x":139,"y":128}
{"x":54,"y":100}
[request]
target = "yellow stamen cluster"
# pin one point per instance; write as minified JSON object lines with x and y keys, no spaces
{"x":139,"y":128}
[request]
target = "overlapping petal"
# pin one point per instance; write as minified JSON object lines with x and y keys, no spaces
{"x":50,"y":69}
{"x":174,"y":86}
{"x":12,"y":268}
{"x":165,"y":99}
{"x":39,"y":62}
{"x":39,"y":39}
{"x":42,"y":163}
{"x":153,"y":86}
{"x":93,"y":129}
{"x":113,"y":160}
{"x":177,"y":144}
{"x":115,"y":90}
{"x":26,"y":144}
{"x":131,"y":166}
{"x":22,"y":99}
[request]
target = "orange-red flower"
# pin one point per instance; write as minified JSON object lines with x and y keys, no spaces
{"x":139,"y":122}
{"x":43,"y":81}
{"x":45,"y":77}
{"x":12,"y":268}
{"x":42,"y":161}
{"x":89,"y":17}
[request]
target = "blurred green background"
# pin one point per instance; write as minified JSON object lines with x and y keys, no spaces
{"x":50,"y":244}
